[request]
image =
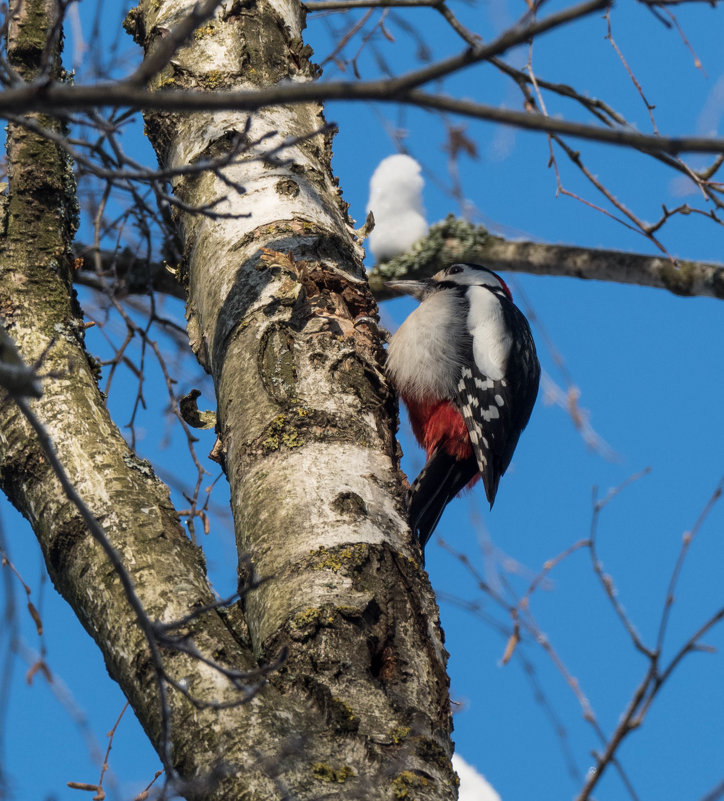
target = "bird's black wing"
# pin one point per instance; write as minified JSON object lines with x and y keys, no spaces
{"x":496,"y":411}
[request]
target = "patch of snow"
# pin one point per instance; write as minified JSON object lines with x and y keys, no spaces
{"x":473,"y":785}
{"x":396,"y":201}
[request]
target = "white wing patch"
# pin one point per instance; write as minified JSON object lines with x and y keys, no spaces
{"x":491,"y":339}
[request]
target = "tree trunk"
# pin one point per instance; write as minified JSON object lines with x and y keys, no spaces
{"x":280,"y":313}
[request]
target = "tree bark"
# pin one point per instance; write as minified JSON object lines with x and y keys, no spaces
{"x":121,"y":490}
{"x":280,"y":313}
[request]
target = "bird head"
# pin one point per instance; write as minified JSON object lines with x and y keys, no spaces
{"x":457,"y":274}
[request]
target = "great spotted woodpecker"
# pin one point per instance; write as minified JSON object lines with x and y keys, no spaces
{"x":465,"y":365}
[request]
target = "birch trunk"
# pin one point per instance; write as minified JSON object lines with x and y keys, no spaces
{"x":280,"y":313}
{"x":305,"y":411}
{"x":121,"y":490}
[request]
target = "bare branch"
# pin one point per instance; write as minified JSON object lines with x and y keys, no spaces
{"x":687,"y":540}
{"x":605,"y":579}
{"x":626,"y":137}
{"x":718,"y":791}
{"x":450,"y":240}
{"x":473,"y":55}
{"x":655,"y":677}
{"x":60,"y":98}
{"x":457,"y":240}
{"x":126,"y":272}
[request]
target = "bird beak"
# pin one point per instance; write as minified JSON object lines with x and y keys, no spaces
{"x":415,"y":288}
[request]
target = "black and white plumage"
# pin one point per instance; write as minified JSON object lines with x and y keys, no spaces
{"x":465,"y":365}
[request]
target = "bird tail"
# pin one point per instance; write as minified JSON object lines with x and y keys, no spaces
{"x":439,"y":482}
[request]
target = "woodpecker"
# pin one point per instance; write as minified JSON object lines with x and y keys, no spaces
{"x":465,"y":365}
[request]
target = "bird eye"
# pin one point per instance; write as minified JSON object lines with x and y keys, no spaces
{"x":456,"y":268}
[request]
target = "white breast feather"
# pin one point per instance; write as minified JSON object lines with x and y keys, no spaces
{"x":423,"y":360}
{"x":491,"y":340}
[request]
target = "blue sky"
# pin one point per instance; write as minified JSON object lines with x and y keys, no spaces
{"x":650,"y":370}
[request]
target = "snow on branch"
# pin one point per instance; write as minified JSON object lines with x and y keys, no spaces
{"x":396,"y":202}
